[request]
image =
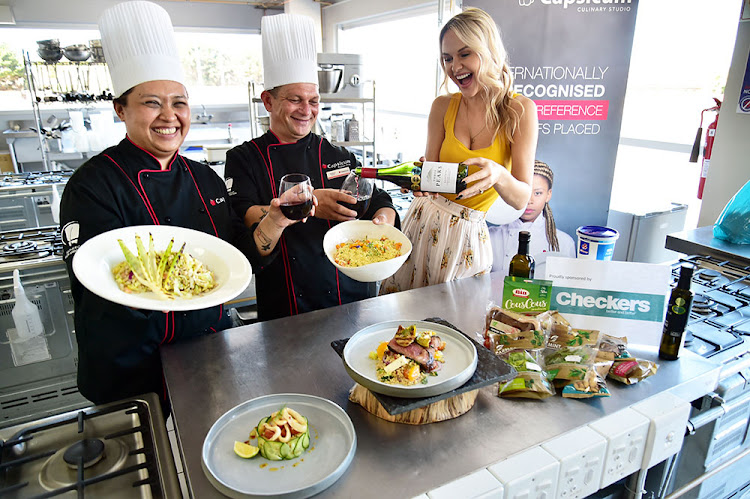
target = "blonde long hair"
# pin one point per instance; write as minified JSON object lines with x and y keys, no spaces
{"x":478,"y":31}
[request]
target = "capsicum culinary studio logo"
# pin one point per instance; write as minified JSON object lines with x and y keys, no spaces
{"x":586,"y":5}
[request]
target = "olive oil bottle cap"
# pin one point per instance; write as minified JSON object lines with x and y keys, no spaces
{"x":686,"y":274}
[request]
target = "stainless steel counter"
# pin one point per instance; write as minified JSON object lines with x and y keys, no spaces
{"x":701,"y":241}
{"x":210,"y":375}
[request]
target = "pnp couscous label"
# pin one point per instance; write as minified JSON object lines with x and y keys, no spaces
{"x":526,"y":295}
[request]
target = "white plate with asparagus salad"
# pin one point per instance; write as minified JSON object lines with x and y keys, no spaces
{"x":159,"y":267}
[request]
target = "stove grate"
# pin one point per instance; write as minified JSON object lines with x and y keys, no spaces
{"x":721,"y":305}
{"x":18,"y":443}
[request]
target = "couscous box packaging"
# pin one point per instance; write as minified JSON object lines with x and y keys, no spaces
{"x":526,"y":296}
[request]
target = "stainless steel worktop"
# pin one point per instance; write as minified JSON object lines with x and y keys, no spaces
{"x":210,"y":375}
{"x":701,"y":241}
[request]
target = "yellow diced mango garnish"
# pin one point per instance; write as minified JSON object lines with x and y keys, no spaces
{"x":381,"y":349}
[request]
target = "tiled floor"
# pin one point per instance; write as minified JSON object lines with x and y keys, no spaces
{"x":177,"y":459}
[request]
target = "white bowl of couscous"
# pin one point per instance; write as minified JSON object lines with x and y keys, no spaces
{"x":365,"y":230}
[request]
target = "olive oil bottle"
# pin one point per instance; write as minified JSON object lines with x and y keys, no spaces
{"x":522,"y":265}
{"x":678,"y":312}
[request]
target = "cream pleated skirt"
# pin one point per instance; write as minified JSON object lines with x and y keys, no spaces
{"x":449,"y":242}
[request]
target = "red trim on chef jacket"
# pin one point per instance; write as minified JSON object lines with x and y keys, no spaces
{"x":200,"y":195}
{"x":148,"y":206}
{"x":291,"y":294}
{"x":166,"y":329}
{"x":320,"y":165}
{"x":169,"y":166}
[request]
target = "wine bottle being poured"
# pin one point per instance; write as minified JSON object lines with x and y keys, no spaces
{"x":428,"y":176}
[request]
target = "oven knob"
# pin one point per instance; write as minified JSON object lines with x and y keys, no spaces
{"x":354,"y":81}
{"x":670,"y":437}
{"x":5,"y":296}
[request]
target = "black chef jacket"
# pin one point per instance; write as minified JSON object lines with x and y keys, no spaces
{"x":300,"y":278}
{"x":118,"y":346}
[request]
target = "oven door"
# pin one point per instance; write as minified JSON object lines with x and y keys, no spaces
{"x":715,"y":455}
{"x":40,"y":379}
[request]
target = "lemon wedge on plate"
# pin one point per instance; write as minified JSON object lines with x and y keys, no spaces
{"x":245,"y":450}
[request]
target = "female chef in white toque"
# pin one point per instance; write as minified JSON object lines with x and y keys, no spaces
{"x":143,"y":180}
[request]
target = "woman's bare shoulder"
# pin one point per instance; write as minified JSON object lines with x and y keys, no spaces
{"x":441,"y":103}
{"x":522,"y":103}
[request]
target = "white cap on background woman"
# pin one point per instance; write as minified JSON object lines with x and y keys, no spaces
{"x":289,"y":50}
{"x":139,"y":45}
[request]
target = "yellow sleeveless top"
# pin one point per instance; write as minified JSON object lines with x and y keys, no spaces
{"x":454,"y":151}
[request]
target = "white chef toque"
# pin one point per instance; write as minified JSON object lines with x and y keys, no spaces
{"x":139,"y":45}
{"x":289,"y":50}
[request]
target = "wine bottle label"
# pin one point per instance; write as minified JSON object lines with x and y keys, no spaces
{"x":439,"y":177}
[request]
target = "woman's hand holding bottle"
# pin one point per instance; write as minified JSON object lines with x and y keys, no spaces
{"x":490,"y":173}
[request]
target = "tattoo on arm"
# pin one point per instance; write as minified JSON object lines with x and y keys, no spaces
{"x":263,"y":239}
{"x":264,"y":211}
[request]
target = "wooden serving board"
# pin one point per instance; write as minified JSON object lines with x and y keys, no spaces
{"x":441,"y":410}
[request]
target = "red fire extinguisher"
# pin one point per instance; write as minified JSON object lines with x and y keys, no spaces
{"x":707,"y":147}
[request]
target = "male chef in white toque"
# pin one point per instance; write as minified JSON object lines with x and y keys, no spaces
{"x":301,"y":278}
{"x":142,"y":181}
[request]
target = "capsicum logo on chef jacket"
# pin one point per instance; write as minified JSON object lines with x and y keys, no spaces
{"x":69,"y":236}
{"x":216,"y":201}
{"x":614,"y":304}
{"x":229,"y":182}
{"x":338,"y":169}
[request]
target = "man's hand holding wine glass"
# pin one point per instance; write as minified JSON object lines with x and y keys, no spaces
{"x":295,"y":203}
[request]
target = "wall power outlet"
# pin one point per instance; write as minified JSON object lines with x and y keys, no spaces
{"x":581,"y":456}
{"x":531,"y":474}
{"x":626,"y":432}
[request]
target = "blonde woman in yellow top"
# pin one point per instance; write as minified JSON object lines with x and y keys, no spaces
{"x":485,"y":126}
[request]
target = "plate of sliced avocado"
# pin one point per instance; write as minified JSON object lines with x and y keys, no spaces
{"x":300,"y":445}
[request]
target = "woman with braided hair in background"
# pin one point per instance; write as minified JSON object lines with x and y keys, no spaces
{"x":545,"y":237}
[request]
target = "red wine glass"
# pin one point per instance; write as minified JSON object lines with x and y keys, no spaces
{"x":360,"y":188}
{"x":296,"y":196}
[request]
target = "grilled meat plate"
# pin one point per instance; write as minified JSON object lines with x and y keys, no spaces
{"x":425,"y":357}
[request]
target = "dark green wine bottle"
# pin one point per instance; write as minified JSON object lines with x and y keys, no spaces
{"x":428,"y":176}
{"x":522,"y":265}
{"x":678,"y":312}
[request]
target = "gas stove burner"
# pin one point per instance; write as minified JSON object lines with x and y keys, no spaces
{"x":86,"y":452}
{"x":703,"y":305}
{"x":19,"y":246}
{"x":709,"y":275}
{"x":57,"y":472}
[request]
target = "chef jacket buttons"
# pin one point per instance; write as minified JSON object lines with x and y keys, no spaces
{"x":145,"y":175}
{"x":202,"y":210}
{"x":168,"y":220}
{"x":184,"y":168}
